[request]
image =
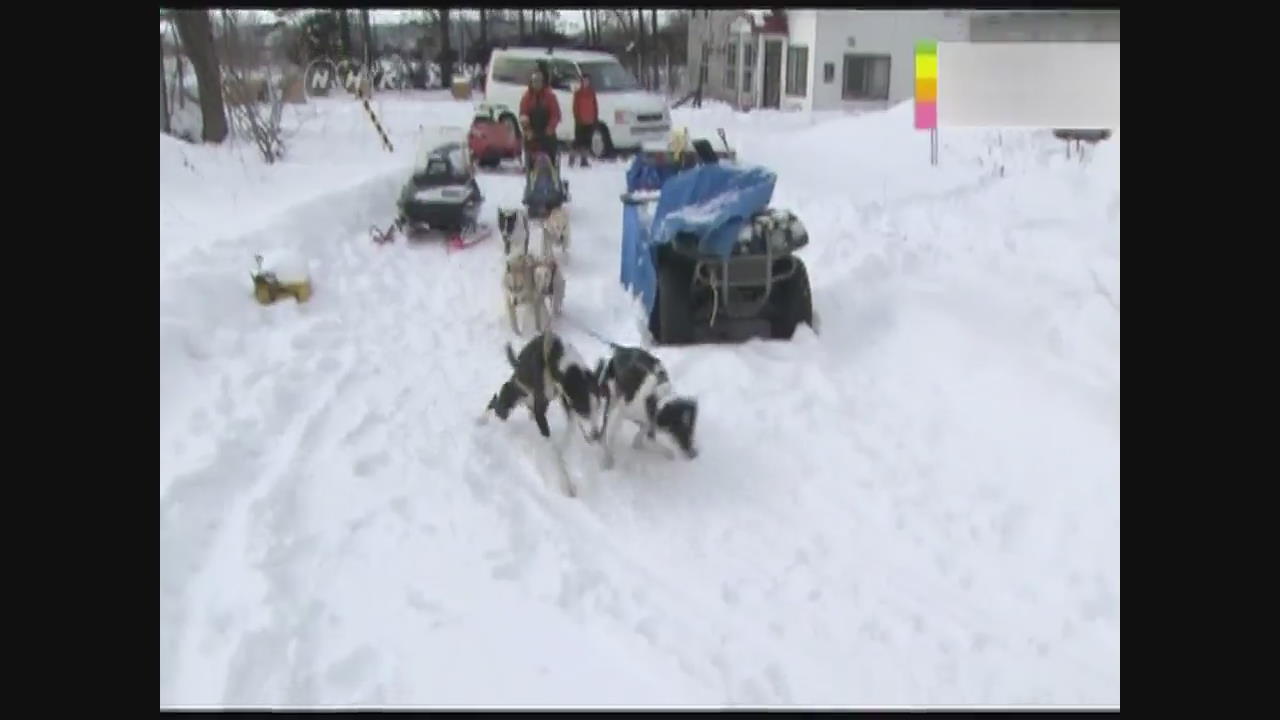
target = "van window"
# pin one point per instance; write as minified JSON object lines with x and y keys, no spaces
{"x":563,"y":72}
{"x":507,"y":69}
{"x":609,"y":76}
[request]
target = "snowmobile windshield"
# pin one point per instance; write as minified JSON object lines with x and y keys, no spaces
{"x":447,"y":166}
{"x":609,"y":77}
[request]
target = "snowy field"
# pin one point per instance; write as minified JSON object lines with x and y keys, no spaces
{"x":919,"y":506}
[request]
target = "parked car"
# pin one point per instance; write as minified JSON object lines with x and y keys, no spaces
{"x":629,"y":115}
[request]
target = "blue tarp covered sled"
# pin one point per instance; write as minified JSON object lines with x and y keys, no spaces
{"x":710,"y":202}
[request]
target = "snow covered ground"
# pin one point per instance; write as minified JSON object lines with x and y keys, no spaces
{"x":921,"y":505}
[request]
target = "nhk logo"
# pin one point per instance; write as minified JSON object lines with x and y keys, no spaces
{"x":323,"y":75}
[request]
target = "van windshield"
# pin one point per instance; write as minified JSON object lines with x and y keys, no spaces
{"x":607,"y":76}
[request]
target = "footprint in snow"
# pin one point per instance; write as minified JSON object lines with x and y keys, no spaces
{"x":353,"y":668}
{"x":369,"y":464}
{"x":329,"y":364}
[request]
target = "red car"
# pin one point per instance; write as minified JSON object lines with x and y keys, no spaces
{"x":492,"y":140}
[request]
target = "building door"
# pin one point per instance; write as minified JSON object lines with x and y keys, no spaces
{"x":772,"y":96}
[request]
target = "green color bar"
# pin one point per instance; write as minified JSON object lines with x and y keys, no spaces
{"x":927,"y":47}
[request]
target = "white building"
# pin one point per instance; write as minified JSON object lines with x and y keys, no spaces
{"x":851,"y":59}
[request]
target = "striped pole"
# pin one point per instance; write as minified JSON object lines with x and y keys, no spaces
{"x":386,"y":142}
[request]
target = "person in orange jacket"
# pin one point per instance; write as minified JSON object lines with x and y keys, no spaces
{"x":539,"y":116}
{"x":586,"y":113}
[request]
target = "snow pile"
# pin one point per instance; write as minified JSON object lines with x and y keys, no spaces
{"x":920,"y":505}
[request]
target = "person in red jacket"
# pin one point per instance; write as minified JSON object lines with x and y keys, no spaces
{"x":539,"y":115}
{"x":586,"y":113}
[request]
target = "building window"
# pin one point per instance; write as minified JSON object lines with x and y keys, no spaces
{"x":748,"y":65}
{"x":866,"y":77}
{"x":797,"y":71}
{"x":731,"y":67}
{"x":828,"y":73}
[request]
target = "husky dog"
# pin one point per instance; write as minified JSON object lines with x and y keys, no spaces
{"x":548,"y":369}
{"x":513,"y":224}
{"x":635,"y":386}
{"x":520,"y":289}
{"x":531,"y":280}
{"x":519,"y":286}
{"x":555,"y":233}
{"x":549,"y":281}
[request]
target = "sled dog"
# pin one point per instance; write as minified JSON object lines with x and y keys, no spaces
{"x":634,"y":385}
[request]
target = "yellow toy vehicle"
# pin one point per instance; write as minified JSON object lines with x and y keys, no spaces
{"x":274,"y":283}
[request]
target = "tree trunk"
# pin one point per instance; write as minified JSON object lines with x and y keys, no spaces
{"x":484,"y":29}
{"x":182,"y":79}
{"x":640,"y":49}
{"x":702,"y":72}
{"x":446,"y":50}
{"x":520,"y":17}
{"x":196,"y":31}
{"x":653,"y":60}
{"x":164,"y":93}
{"x":369,"y":52}
{"x":344,"y":34}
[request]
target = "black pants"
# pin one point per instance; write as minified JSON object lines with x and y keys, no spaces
{"x":582,"y":136}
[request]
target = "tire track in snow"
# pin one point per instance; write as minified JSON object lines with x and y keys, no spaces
{"x":219,"y":497}
{"x":286,"y":543}
{"x":198,"y":508}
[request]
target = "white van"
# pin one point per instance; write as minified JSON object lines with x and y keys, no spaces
{"x":629,"y":116}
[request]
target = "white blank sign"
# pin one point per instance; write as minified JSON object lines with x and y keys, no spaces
{"x":1029,"y":84}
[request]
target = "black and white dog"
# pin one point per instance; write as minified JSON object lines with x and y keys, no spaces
{"x":548,"y":369}
{"x":634,"y":386}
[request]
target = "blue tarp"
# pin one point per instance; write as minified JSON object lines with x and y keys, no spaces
{"x":710,"y":201}
{"x":646,"y":175}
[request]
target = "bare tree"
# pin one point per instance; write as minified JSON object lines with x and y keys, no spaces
{"x":653,"y":64}
{"x":484,"y":29}
{"x":344,"y":33}
{"x":446,"y":49}
{"x":625,"y":21}
{"x":164,"y":93}
{"x":520,"y":17}
{"x":245,"y":114}
{"x":369,"y":52}
{"x":640,"y":49}
{"x":197,"y":37}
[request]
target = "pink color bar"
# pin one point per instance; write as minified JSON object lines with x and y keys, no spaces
{"x":926,"y":115}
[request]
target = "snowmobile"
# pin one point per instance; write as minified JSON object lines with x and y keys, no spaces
{"x":441,"y":197}
{"x":494,"y":140}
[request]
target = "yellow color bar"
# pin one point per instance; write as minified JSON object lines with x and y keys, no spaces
{"x":926,"y":67}
{"x":926,"y":89}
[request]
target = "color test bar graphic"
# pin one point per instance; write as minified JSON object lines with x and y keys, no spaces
{"x":927,"y":85}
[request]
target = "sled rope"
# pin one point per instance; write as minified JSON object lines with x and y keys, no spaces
{"x":594,"y":334}
{"x":377,"y":125}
